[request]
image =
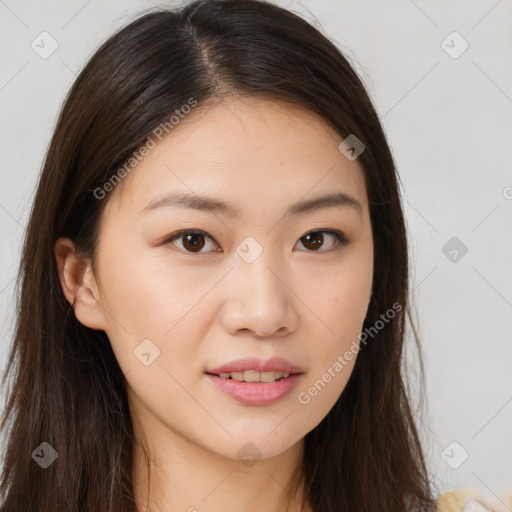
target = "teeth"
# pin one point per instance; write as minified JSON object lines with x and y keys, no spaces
{"x":253,"y":376}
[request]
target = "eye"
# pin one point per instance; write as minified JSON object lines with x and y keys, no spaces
{"x":194,"y":240}
{"x":315,"y":239}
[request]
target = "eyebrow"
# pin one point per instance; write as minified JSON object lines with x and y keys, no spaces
{"x":205,"y":203}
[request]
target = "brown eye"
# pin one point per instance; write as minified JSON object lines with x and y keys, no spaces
{"x":315,"y":239}
{"x":192,"y":241}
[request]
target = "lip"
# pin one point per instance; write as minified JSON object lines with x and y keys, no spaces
{"x":275,"y":364}
{"x":256,"y":393}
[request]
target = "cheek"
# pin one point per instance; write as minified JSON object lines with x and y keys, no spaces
{"x":340,"y":299}
{"x":148,"y":291}
{"x":155,"y":333}
{"x":147,"y":299}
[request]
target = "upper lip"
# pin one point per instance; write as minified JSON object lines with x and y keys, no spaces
{"x":275,"y":364}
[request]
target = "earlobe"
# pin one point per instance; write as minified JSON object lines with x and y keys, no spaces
{"x":79,"y":285}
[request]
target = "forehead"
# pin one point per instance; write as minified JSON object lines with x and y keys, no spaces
{"x":247,"y":150}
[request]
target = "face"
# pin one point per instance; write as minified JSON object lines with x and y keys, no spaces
{"x":186,"y":290}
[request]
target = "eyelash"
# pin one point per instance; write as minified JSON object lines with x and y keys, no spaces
{"x":341,"y":239}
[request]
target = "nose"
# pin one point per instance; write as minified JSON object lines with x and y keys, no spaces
{"x":261,"y":300}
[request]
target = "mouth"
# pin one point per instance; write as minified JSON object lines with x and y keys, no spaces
{"x":254,"y":392}
{"x":254,"y":376}
{"x":252,"y":381}
{"x":254,"y":368}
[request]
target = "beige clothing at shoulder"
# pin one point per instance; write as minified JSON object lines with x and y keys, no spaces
{"x":456,"y":499}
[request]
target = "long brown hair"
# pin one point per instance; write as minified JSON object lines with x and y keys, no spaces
{"x":65,"y":387}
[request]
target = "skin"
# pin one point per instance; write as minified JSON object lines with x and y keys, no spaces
{"x":205,"y":309}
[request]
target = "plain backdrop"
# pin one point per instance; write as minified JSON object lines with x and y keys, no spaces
{"x":440,"y":75}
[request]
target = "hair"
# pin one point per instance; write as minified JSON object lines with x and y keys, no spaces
{"x":65,"y":386}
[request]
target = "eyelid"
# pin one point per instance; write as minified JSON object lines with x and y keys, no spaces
{"x":191,"y":231}
{"x":341,"y":239}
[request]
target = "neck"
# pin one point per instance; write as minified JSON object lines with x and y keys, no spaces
{"x":172,"y":473}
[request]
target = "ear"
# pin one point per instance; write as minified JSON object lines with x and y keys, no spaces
{"x":79,"y":285}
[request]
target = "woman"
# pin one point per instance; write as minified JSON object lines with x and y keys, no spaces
{"x":213,"y":290}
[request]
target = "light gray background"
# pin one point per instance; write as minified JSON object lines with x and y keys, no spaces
{"x":449,"y":123}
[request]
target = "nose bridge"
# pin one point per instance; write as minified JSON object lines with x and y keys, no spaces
{"x":260,"y":301}
{"x":258,"y":277}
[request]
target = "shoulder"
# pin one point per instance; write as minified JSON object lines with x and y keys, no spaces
{"x":455,"y":499}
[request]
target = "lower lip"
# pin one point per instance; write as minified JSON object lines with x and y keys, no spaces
{"x":256,"y":393}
